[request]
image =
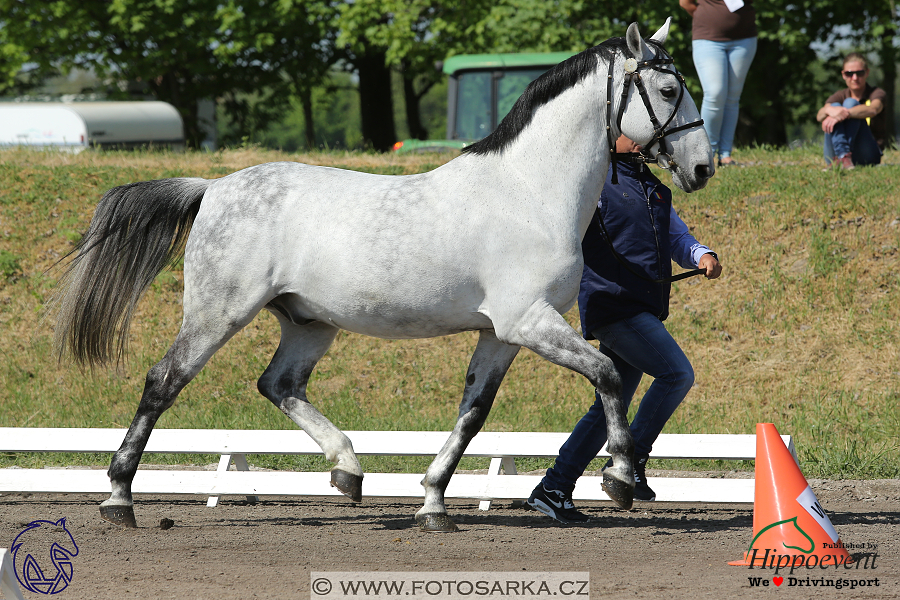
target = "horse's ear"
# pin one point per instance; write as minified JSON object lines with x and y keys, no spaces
{"x":634,"y":41}
{"x":661,"y":35}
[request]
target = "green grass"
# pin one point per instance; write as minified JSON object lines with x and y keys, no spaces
{"x":801,"y":330}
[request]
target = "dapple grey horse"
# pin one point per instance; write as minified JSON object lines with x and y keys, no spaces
{"x":488,"y":242}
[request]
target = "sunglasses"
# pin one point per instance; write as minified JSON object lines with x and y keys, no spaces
{"x":850,"y":74}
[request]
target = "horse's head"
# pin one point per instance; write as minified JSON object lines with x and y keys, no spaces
{"x":656,"y":111}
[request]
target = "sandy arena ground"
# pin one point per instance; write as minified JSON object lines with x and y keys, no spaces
{"x":267,"y":550}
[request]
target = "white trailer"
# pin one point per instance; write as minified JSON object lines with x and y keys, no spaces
{"x":75,"y":126}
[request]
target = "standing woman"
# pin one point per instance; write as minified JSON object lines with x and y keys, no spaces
{"x":724,"y":44}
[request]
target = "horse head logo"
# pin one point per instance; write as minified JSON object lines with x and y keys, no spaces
{"x":30,"y":552}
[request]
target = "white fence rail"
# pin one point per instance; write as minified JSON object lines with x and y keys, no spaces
{"x":500,"y":483}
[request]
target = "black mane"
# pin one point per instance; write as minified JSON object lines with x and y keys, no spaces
{"x":544,"y":89}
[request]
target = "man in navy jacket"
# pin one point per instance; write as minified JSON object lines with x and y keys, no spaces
{"x":623,"y":307}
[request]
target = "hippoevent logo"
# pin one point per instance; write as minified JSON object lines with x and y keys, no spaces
{"x":42,"y":556}
{"x":805,"y":570}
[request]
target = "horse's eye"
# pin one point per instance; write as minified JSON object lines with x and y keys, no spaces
{"x":670,"y":91}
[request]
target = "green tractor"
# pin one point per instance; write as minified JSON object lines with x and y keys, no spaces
{"x":481,"y":91}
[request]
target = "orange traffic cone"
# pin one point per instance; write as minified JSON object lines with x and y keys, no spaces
{"x":790,"y":528}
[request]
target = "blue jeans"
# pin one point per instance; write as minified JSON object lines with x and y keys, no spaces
{"x":723,"y":68}
{"x":636,"y":345}
{"x":852,"y":135}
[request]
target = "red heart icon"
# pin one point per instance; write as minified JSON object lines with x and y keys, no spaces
{"x":778,"y":580}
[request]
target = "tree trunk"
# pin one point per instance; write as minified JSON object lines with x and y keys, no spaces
{"x":413,"y":115}
{"x":305,"y":95}
{"x":376,"y":103}
{"x":889,"y":68}
{"x":761,"y":117}
{"x":169,"y":88}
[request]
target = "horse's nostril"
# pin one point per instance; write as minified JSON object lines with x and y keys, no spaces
{"x":702,"y":171}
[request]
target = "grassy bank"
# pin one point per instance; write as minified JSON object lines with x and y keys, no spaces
{"x":801,"y":330}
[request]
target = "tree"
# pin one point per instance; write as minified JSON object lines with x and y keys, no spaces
{"x":420,"y":35}
{"x":28,"y":54}
{"x":180,"y":52}
{"x":362,"y":25}
{"x":294,"y":39}
{"x":168,"y":51}
{"x":877,"y":32}
{"x":410,"y":36}
{"x":254,"y":55}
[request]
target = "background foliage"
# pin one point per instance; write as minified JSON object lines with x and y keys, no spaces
{"x":273,"y":65}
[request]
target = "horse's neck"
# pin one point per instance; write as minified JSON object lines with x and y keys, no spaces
{"x":564,"y":151}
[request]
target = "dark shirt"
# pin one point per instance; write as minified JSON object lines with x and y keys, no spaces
{"x":713,"y":21}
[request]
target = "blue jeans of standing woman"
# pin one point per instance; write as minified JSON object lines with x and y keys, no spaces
{"x":636,"y":345}
{"x":723,"y":68}
{"x":853,"y":136}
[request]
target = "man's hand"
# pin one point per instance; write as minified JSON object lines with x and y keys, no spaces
{"x":838,"y":113}
{"x":829,"y":116}
{"x":828,"y":124}
{"x":711,"y":264}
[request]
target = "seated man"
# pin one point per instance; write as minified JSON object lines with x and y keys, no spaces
{"x":853,"y":119}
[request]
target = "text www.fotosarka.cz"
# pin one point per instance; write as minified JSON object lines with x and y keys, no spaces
{"x":516,"y":585}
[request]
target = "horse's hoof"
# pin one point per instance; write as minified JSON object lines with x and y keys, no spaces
{"x":349,"y":484}
{"x":436,"y":522}
{"x":119,"y":514}
{"x":618,"y":491}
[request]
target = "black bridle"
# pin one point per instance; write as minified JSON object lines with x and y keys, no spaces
{"x":662,"y":158}
{"x":633,"y":73}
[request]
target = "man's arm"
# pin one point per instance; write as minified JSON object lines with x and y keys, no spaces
{"x":868,"y":111}
{"x":687,"y":251}
{"x":839,"y":113}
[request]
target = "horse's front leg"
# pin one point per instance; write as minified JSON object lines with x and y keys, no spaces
{"x":284,"y":384}
{"x":487,"y":368}
{"x":543,"y":330}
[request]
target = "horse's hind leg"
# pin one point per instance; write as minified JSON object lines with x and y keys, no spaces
{"x":488,"y":366}
{"x":193,"y":346}
{"x":284,"y":384}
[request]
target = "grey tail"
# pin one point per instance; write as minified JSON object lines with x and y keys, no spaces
{"x":137,"y":231}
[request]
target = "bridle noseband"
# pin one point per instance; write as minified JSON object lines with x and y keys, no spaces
{"x":632,"y":73}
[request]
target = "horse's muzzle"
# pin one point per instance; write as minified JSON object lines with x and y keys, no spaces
{"x":691,"y":180}
{"x":704,"y":172}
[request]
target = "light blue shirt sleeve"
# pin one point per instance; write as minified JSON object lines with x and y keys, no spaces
{"x":686,"y":250}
